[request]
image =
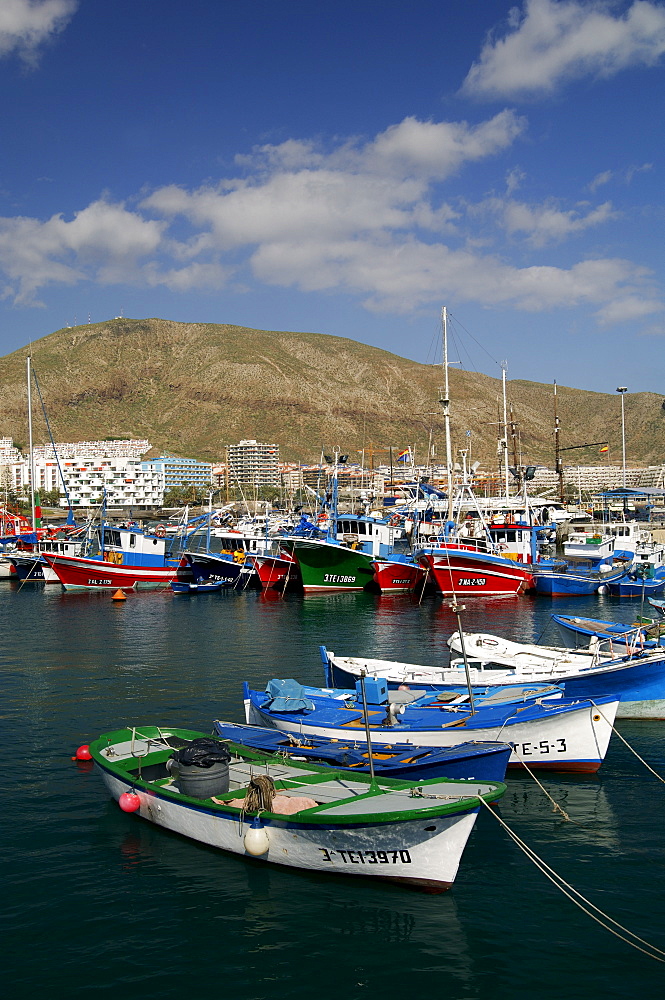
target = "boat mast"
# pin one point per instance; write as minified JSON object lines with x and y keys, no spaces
{"x":558,"y":467}
{"x":504,"y":366}
{"x":32,"y":457}
{"x":444,"y":400}
{"x":368,"y":735}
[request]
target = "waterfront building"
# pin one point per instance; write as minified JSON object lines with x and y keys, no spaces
{"x":90,"y":469}
{"x":254,"y":463}
{"x":182,"y":472}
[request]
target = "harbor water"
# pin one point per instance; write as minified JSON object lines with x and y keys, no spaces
{"x":99,"y":903}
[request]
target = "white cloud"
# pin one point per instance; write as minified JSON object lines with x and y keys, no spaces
{"x":628,"y":309}
{"x":365,"y":218}
{"x":553,"y":41}
{"x":103,"y":241}
{"x":543,"y":224}
{"x":25,"y":25}
{"x":603,"y":178}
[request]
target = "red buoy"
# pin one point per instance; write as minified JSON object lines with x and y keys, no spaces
{"x":129,"y":802}
{"x":83,"y":753}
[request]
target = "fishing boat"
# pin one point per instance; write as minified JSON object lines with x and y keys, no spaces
{"x":275,"y":572}
{"x":658,"y":605}
{"x":124,"y":557}
{"x":473,"y":759}
{"x":292,"y":813}
{"x":398,"y":574}
{"x":633,"y":585}
{"x":636,"y":677}
{"x":591,"y":631}
{"x":465,"y":569}
{"x":207,"y":587}
{"x":632,"y":673}
{"x":546,"y":731}
{"x":343,"y":559}
{"x":30,"y":567}
{"x":490,"y":661}
{"x":589,"y":566}
{"x":79,"y":573}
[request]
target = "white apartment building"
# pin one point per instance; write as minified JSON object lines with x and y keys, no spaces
{"x":111,"y":468}
{"x":255,"y":463}
{"x":126,"y":482}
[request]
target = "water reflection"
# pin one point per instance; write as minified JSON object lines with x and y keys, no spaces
{"x":114,"y":904}
{"x":584,"y":800}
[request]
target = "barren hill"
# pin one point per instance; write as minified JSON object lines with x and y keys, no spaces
{"x":192,"y":388}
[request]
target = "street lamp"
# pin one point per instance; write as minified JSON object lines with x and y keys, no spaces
{"x":622,"y":390}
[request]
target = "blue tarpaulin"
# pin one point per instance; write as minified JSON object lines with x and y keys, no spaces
{"x":30,"y":537}
{"x":287,"y":695}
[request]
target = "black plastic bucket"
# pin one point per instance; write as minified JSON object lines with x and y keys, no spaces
{"x":200,"y":782}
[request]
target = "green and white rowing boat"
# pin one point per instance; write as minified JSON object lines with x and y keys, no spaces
{"x":330,"y":821}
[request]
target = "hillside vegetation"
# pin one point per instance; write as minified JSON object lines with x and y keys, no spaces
{"x":193,"y":388}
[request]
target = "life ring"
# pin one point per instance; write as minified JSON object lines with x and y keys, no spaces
{"x":160,"y":531}
{"x":488,"y":642}
{"x":321,"y":518}
{"x":501,"y":547}
{"x":394,"y":521}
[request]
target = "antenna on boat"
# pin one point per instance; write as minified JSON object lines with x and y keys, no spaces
{"x":456,"y":610}
{"x":363,"y":674}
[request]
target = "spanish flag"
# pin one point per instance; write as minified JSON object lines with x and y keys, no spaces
{"x":604,"y":448}
{"x":404,"y":456}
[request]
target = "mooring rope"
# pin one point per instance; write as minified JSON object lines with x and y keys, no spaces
{"x":555,"y":804}
{"x":576,"y":897}
{"x":632,"y":750}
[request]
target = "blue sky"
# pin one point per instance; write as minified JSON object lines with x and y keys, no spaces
{"x":344,"y":168}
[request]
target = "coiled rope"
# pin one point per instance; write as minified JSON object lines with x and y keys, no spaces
{"x":603,"y":919}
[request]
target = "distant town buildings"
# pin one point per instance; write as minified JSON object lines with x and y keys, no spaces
{"x":94,"y":470}
{"x":116,"y":470}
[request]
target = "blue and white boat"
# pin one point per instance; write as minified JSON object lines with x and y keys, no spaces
{"x":478,"y":760}
{"x":209,"y":587}
{"x":546,"y":732}
{"x":635,"y":676}
{"x":588,"y":566}
{"x":616,"y":635}
{"x":639,"y":582}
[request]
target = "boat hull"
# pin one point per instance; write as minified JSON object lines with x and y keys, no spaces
{"x":395,"y":577}
{"x":28,"y":570}
{"x":630,"y":587}
{"x":413,"y":855}
{"x":571,"y":584}
{"x":210,"y":568}
{"x":78,"y":573}
{"x":461,"y":571}
{"x":325,"y":567}
{"x":274,"y":572}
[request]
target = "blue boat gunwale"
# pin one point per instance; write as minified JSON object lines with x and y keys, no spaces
{"x":323,"y":714}
{"x":314,"y":817}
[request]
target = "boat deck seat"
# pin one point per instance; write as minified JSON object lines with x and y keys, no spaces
{"x":240,"y":772}
{"x":404,"y":697}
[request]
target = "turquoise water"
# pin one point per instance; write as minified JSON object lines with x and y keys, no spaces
{"x":98,"y":902}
